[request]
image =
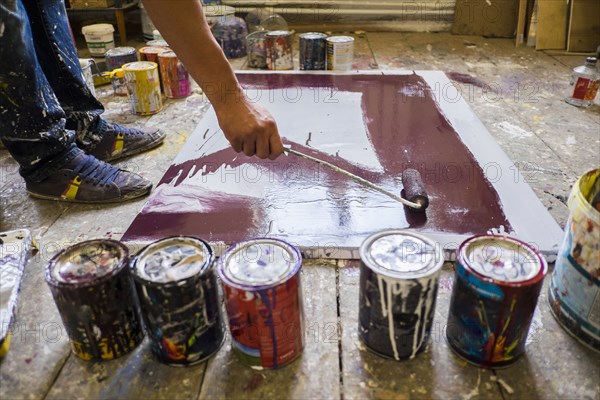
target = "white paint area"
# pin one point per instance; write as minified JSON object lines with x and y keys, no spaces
{"x":571,"y":140}
{"x":513,"y":131}
{"x":393,"y":292}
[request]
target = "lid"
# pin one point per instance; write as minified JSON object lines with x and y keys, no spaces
{"x":98,"y":29}
{"x":139,"y":66}
{"x":501,"y":258}
{"x":151,"y":49}
{"x":340,"y":39}
{"x":275,"y":34}
{"x":87,"y":262}
{"x":313,"y":35}
{"x":157,"y":43}
{"x":259,"y":263}
{"x":401,"y":254}
{"x":120,"y":51}
{"x":591,"y":60}
{"x":173,"y":259}
{"x":167,"y":54}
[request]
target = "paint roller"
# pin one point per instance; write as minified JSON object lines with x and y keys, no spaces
{"x":415,"y":196}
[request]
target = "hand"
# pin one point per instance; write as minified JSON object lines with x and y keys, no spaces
{"x":250,"y":128}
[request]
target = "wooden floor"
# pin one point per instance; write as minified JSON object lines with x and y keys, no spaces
{"x":517,"y":93}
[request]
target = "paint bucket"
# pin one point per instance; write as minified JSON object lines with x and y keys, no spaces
{"x":574,"y":292}
{"x":313,"y":51}
{"x":261,"y":21}
{"x":263,"y":298}
{"x":216,"y":12}
{"x":399,"y":276}
{"x":496,"y":286}
{"x":231,"y":34}
{"x":340,"y":53}
{"x":150,"y":53}
{"x":279,"y":50}
{"x":256,"y":49}
{"x":143,"y":87}
{"x":116,"y":58}
{"x":99,"y":38}
{"x":88,"y":76}
{"x":175,"y":78}
{"x":95,"y":296}
{"x":177,"y":288}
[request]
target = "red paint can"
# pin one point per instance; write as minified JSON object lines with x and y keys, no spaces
{"x":175,"y":78}
{"x":263,"y":295}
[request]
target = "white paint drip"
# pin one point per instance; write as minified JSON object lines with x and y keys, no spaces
{"x":571,"y":140}
{"x":475,"y":391}
{"x":513,"y":131}
{"x":502,"y":383}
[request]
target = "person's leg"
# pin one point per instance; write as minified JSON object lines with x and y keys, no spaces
{"x":32,"y":127}
{"x":58,"y":57}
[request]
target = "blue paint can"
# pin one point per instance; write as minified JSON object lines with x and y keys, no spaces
{"x":313,"y":51}
{"x":497,"y":283}
{"x":116,"y":58}
{"x":231,"y":34}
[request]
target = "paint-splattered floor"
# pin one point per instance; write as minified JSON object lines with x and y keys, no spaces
{"x":517,"y":93}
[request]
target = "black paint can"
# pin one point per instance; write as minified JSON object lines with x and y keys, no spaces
{"x":177,"y":287}
{"x":96,"y":300}
{"x":399,"y":276}
{"x":313,"y":51}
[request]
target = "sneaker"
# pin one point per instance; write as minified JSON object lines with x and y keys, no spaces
{"x":85,"y":179}
{"x":119,"y":142}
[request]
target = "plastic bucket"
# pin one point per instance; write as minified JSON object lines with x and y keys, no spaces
{"x":574,"y":293}
{"x":88,"y":76}
{"x":99,"y":38}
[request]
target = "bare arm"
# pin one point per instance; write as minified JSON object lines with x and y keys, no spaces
{"x":247,"y":126}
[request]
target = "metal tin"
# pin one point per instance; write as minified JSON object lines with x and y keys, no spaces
{"x":143,"y":86}
{"x":574,"y":292}
{"x":158,"y":43}
{"x":279,"y":50}
{"x":496,"y":286}
{"x":231,"y":34}
{"x":340,"y":53}
{"x":263,"y":294}
{"x":256,"y":49}
{"x":150,"y":53}
{"x":175,"y":78}
{"x":116,"y":58}
{"x":313,"y":51}
{"x":178,"y":293}
{"x":398,"y":287}
{"x":94,"y":294}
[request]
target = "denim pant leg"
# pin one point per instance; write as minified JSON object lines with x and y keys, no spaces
{"x":32,"y":122}
{"x":58,"y":57}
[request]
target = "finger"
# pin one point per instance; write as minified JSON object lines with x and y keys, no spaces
{"x":276,"y":146}
{"x":262,"y":146}
{"x":249,"y":148}
{"x":237,"y":145}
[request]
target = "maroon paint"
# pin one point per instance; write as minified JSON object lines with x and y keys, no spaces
{"x":406,"y":129}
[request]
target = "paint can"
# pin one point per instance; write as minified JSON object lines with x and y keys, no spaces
{"x":99,"y":38}
{"x":175,"y":78}
{"x":574,"y":292}
{"x":231,"y":34}
{"x":177,"y":288}
{"x":496,"y":286}
{"x":88,"y":76}
{"x":256,"y":49}
{"x":279,"y":50}
{"x":158,"y":43}
{"x":263,"y":298}
{"x":116,"y":58}
{"x":95,"y":296}
{"x":313,"y":51}
{"x":150,"y":53}
{"x":143,"y":87}
{"x":340,"y":53}
{"x":399,"y":276}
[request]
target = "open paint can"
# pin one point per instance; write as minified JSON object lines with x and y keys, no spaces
{"x":94,"y":294}
{"x":279,"y":50}
{"x":574,"y":293}
{"x":143,"y":87}
{"x":177,"y":287}
{"x":116,"y":58}
{"x":313,"y":51}
{"x":340,"y":53}
{"x":399,"y":276}
{"x":175,"y":78}
{"x":496,"y":286}
{"x":263,"y":297}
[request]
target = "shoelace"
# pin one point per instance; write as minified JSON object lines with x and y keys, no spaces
{"x":125,"y":130}
{"x":92,"y":170}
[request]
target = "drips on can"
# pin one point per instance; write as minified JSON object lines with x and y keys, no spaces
{"x":279,"y":50}
{"x":143,"y":87}
{"x":116,"y":58}
{"x":399,"y":276}
{"x":313,"y":51}
{"x":95,"y":297}
{"x":175,"y":78}
{"x":178,"y":293}
{"x":256,"y":49}
{"x":496,"y":286}
{"x":340,"y":53}
{"x":263,"y":297}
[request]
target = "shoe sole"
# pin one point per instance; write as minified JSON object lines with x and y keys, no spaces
{"x":149,"y":146}
{"x":111,"y":201}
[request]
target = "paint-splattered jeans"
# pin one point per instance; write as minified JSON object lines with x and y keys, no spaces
{"x":45,"y":105}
